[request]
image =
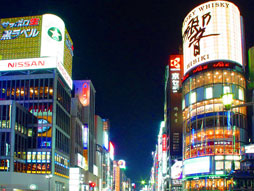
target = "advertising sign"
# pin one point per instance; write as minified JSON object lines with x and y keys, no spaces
{"x":212,"y":32}
{"x":164,"y":142}
{"x":82,"y":89}
{"x":36,"y":37}
{"x":122,"y":164}
{"x":36,"y":64}
{"x":52,"y":37}
{"x":176,"y":170}
{"x":20,"y":37}
{"x":68,"y":53}
{"x":175,"y":76}
{"x":249,"y":148}
{"x":111,"y":150}
{"x":197,"y":165}
{"x":43,"y":112}
{"x":176,"y":72}
{"x":85,"y":136}
{"x":28,"y":64}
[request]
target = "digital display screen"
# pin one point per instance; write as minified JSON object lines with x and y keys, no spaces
{"x":20,"y":37}
{"x":197,"y":165}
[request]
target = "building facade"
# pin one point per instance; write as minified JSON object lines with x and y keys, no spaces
{"x":213,"y":66}
{"x":173,"y":120}
{"x":35,"y":66}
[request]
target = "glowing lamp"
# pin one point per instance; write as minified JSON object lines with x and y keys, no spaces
{"x":227,"y":100}
{"x":92,"y":184}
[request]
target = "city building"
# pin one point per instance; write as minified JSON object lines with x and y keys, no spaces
{"x":102,"y":154}
{"x":243,"y":179}
{"x":79,"y":139}
{"x":35,"y":67}
{"x":213,"y":66}
{"x":85,"y":92}
{"x":121,"y":182}
{"x":173,"y":121}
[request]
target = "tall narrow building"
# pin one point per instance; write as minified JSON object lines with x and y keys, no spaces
{"x":213,"y":66}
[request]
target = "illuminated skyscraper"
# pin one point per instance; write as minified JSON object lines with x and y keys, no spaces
{"x":35,"y":67}
{"x":213,"y":66}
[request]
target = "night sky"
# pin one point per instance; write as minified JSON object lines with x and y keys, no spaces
{"x":123,"y":47}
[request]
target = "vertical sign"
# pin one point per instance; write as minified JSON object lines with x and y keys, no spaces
{"x":85,"y":136}
{"x":175,"y":76}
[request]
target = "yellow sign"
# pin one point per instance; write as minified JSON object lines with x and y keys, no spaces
{"x":20,"y":37}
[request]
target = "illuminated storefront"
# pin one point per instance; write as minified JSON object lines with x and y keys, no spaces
{"x":213,"y":136}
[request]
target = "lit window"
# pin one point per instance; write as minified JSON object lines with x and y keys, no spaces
{"x":209,"y":93}
{"x":30,"y":132}
{"x":183,"y":104}
{"x":226,"y":89}
{"x":240,"y":93}
{"x":193,"y":97}
{"x":219,"y":165}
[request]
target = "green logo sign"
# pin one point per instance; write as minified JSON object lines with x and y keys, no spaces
{"x":55,"y":34}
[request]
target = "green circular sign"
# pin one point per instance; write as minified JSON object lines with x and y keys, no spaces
{"x":55,"y":34}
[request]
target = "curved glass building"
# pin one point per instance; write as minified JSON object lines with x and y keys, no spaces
{"x":213,"y":66}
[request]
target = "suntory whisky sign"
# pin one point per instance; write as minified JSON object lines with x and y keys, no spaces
{"x":212,"y":32}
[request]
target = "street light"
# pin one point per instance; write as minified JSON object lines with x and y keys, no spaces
{"x":227,"y":102}
{"x":49,"y":176}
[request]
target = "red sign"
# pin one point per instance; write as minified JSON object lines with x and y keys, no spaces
{"x":175,"y":62}
{"x":164,"y":142}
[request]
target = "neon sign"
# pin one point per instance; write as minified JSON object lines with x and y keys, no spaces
{"x":205,"y":67}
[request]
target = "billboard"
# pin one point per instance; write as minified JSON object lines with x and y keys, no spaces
{"x":82,"y":90}
{"x":20,"y":37}
{"x":197,"y":165}
{"x":176,"y":170}
{"x":37,"y":37}
{"x":212,"y":32}
{"x":44,"y":113}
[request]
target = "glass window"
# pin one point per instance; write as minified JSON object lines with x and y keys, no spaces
{"x":208,"y":78}
{"x":208,"y":92}
{"x":217,"y":90}
{"x":240,"y":94}
{"x":226,"y":89}
{"x":192,"y":83}
{"x":193,"y":97}
{"x":219,"y":165}
{"x":183,"y":104}
{"x":227,"y":165}
{"x":200,"y":94}
{"x":217,"y":76}
{"x":226,"y":77}
{"x":200,"y":80}
{"x":187,"y":96}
